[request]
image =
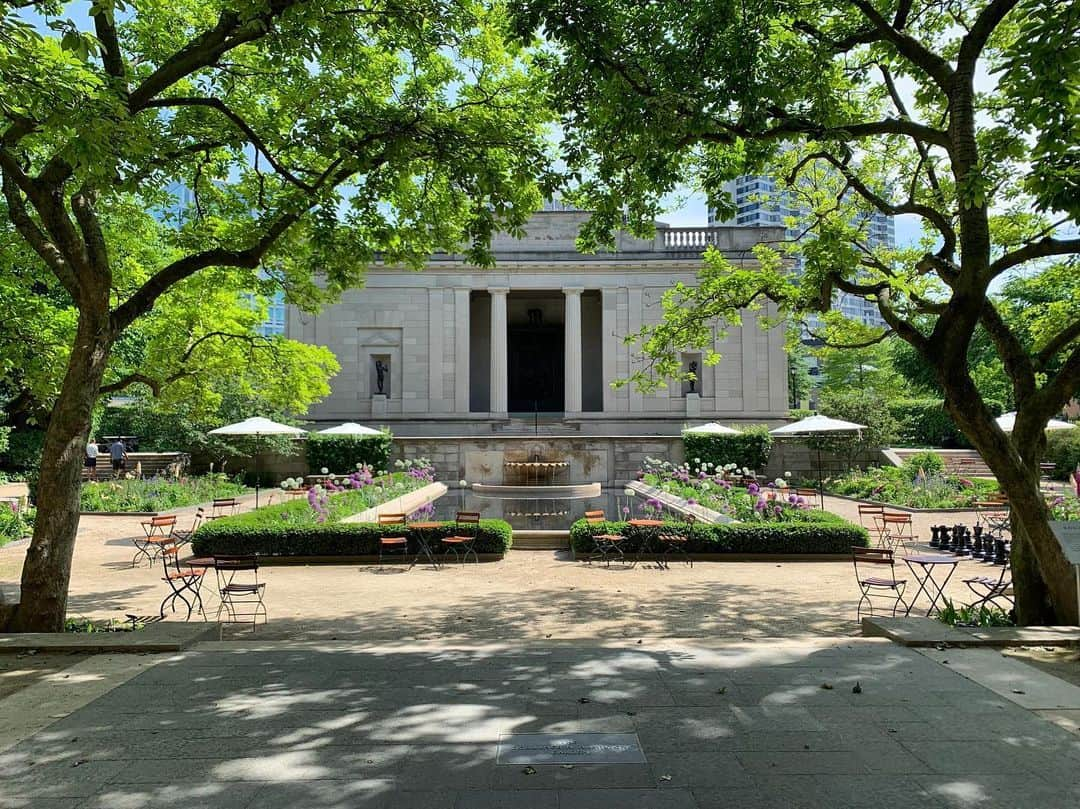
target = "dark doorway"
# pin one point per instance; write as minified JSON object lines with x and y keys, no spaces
{"x":536,"y":366}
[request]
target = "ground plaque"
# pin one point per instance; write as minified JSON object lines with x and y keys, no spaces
{"x":570,"y":748}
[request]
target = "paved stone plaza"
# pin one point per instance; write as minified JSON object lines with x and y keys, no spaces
{"x":531,"y":595}
{"x":763,"y":724}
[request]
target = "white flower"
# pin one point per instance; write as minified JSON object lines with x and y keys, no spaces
{"x":285,"y":484}
{"x":463,"y":483}
{"x":399,"y":463}
{"x":780,"y":483}
{"x":628,"y":492}
{"x":704,"y":486}
{"x":359,"y":466}
{"x":697,"y":460}
{"x":787,"y":474}
{"x":324,"y":471}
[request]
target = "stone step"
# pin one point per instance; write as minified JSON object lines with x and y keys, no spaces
{"x":541,"y":540}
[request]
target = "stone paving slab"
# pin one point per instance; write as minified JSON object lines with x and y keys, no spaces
{"x":165,"y":636}
{"x":259,"y":724}
{"x":1012,"y":679}
{"x":918,"y":631}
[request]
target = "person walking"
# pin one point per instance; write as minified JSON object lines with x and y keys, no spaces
{"x":91,"y":459}
{"x":118,"y":454}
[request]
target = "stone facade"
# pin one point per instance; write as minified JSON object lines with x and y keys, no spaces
{"x":535,"y":342}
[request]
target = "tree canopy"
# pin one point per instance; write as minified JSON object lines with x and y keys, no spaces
{"x":296,"y":139}
{"x":962,"y":115}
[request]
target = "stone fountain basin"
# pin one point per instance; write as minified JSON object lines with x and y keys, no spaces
{"x":576,"y":491}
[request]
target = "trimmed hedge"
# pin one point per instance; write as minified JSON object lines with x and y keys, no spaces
{"x":815,"y":533}
{"x":924,"y":423}
{"x":333,"y":539}
{"x":341,"y":453}
{"x":750,"y":448}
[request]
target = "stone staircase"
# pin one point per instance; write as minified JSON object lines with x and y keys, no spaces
{"x":150,"y":463}
{"x":963,"y":462}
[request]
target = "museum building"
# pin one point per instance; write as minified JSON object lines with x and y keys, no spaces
{"x":533,"y":344}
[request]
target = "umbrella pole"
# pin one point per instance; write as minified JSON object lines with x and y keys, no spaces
{"x":820,"y":481}
{"x":258,"y":444}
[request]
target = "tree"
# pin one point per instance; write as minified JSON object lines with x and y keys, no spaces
{"x":313,"y":137}
{"x":862,"y":106}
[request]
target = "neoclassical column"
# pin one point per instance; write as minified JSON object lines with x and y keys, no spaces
{"x":498,"y":350}
{"x":572,"y":343}
{"x":461,"y":349}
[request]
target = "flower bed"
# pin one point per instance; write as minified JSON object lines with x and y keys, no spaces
{"x":155,"y":494}
{"x":706,"y":484}
{"x":898,"y":486}
{"x":330,"y":502}
{"x":815,"y":532}
{"x":332,"y":539}
{"x":15,"y":522}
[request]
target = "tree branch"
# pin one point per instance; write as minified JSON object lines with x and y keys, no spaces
{"x":1015,"y":357}
{"x":240,"y":123}
{"x":932,"y":215}
{"x":1056,"y":344}
{"x":112,"y":57}
{"x":974,"y":41}
{"x":52,"y":256}
{"x":230,"y":32}
{"x":914,"y":51}
{"x":1033,"y":250}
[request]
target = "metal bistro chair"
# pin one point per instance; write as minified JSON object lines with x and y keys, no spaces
{"x":224,"y":507}
{"x":812,"y":496}
{"x":606,"y":546}
{"x":988,"y":589}
{"x":245,"y":595}
{"x":896,"y":530}
{"x":185,"y":582}
{"x":890,"y":588}
{"x":183,"y":537}
{"x":869,"y":518}
{"x":467,"y":525}
{"x":393,"y":545}
{"x":158,"y":533}
{"x":675,"y":542}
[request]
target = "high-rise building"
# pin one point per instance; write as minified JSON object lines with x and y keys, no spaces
{"x":760,"y":203}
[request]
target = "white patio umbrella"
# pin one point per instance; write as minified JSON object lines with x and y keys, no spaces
{"x":1007,"y":422}
{"x":811,"y":427}
{"x":257,"y":427}
{"x":712,"y":428}
{"x":350,"y":428}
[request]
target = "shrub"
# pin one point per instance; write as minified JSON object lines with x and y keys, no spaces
{"x":341,"y":453}
{"x":924,"y":422}
{"x":861,"y":407}
{"x":4,"y":431}
{"x":928,"y":461}
{"x":23,"y":451}
{"x":331,"y":539}
{"x":1063,"y":451}
{"x":749,"y":448}
{"x":816,"y":532}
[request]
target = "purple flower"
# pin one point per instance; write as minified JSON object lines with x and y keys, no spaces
{"x":626,"y":509}
{"x":690,"y":501}
{"x":753,"y":488}
{"x":778,"y":510}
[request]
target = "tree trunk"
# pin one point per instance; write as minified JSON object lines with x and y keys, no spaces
{"x":47,"y":569}
{"x":1042,"y":577}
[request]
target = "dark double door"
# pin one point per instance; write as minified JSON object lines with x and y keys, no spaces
{"x":536,"y":367}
